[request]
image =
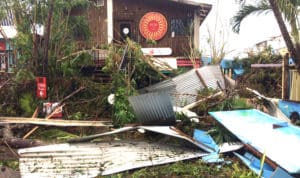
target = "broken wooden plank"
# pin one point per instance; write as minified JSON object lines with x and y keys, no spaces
{"x":55,"y":109}
{"x":54,"y":122}
{"x":266,"y":65}
{"x":35,"y":113}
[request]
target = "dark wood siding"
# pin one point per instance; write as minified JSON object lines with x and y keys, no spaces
{"x":96,"y":17}
{"x":131,"y":11}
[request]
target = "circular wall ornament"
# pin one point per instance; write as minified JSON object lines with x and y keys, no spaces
{"x":153,"y":26}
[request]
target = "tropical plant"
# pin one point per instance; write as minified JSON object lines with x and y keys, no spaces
{"x":282,"y":9}
{"x":258,"y":79}
{"x":130,"y":70}
{"x":217,"y":40}
{"x":28,"y":104}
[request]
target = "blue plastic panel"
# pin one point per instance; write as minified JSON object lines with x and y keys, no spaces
{"x":257,"y":129}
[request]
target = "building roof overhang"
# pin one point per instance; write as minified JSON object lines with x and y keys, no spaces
{"x":202,"y":8}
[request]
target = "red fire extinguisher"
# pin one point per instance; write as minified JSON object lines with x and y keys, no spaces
{"x":41,"y":87}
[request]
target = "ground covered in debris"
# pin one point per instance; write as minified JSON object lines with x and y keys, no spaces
{"x":91,"y":103}
{"x":232,"y":167}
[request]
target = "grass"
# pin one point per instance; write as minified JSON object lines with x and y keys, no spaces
{"x":190,"y":169}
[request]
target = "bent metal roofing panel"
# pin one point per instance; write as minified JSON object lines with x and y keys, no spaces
{"x":184,"y":88}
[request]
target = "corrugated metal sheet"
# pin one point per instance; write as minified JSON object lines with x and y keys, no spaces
{"x":167,"y":86}
{"x":92,"y":159}
{"x":184,"y":88}
{"x":187,"y":85}
{"x":104,"y":158}
{"x":153,"y":109}
{"x":212,"y":75}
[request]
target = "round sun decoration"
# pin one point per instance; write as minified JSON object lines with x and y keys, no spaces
{"x":153,"y":26}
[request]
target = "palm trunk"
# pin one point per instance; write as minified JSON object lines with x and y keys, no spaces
{"x":295,"y":54}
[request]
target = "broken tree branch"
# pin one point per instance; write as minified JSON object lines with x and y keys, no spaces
{"x":20,"y":143}
{"x":10,"y":149}
{"x":192,"y":105}
{"x":4,"y":83}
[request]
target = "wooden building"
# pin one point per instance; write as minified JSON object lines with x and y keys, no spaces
{"x":7,"y":32}
{"x":172,"y":24}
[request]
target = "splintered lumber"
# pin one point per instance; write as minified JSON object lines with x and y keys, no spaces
{"x":36,"y":127}
{"x":53,"y":122}
{"x":33,"y":116}
{"x":54,"y":110}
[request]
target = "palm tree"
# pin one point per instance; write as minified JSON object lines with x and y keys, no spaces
{"x":280,"y":8}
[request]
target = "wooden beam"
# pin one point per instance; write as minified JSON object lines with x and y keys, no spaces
{"x":260,"y":155}
{"x":35,"y":113}
{"x":54,"y":122}
{"x":201,"y":79}
{"x":266,"y":65}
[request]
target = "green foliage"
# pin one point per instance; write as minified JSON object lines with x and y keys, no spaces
{"x":82,"y":4}
{"x":231,"y":103}
{"x":247,"y":10}
{"x":55,"y":135}
{"x":151,"y":42}
{"x":258,"y":79}
{"x":13,"y":164}
{"x":240,"y":172}
{"x":221,"y":135}
{"x":190,"y":169}
{"x":122,"y":112}
{"x":27,"y":104}
{"x":136,"y":73}
{"x":78,"y":116}
{"x":185,"y":124}
{"x":23,"y":76}
{"x":79,"y":28}
{"x":203,"y":107}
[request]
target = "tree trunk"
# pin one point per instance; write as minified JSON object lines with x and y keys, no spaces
{"x":295,"y":54}
{"x":47,"y":37}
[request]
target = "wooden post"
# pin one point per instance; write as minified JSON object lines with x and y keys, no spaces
{"x":201,"y":79}
{"x":285,"y":77}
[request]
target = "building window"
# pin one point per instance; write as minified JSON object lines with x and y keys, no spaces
{"x":182,"y":26}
